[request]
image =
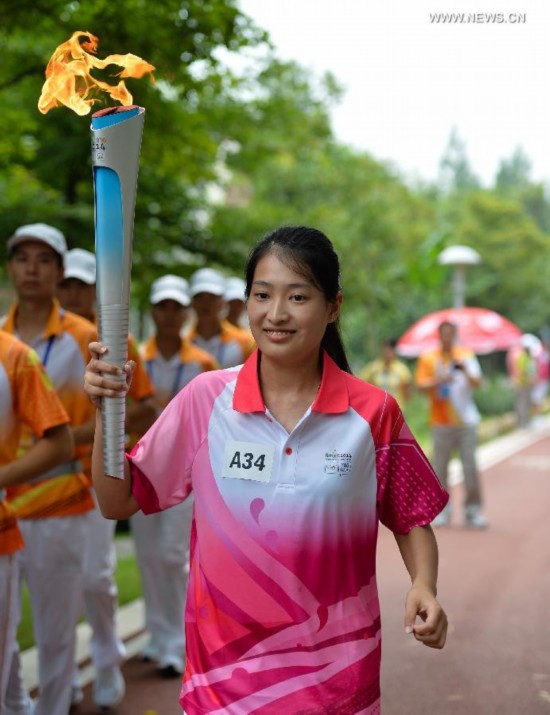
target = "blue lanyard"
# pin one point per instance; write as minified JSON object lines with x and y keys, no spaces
{"x":177,"y":378}
{"x":48,"y":350}
{"x":51,"y":340}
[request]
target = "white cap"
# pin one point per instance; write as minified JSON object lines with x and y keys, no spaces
{"x":80,"y":264}
{"x":531,"y":343}
{"x":234,"y":289}
{"x":207,"y":280}
{"x":170,"y":287}
{"x":39,"y":232}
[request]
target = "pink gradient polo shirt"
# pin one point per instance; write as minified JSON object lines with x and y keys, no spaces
{"x":282,"y":610}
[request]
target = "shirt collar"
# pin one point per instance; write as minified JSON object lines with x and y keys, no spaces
{"x":151,"y":351}
{"x":54,"y":325}
{"x":226,"y":334}
{"x":332,"y":398}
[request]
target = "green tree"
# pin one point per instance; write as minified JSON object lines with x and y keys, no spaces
{"x":45,"y":168}
{"x":513,"y":180}
{"x":455,"y":171}
{"x":514,"y":277}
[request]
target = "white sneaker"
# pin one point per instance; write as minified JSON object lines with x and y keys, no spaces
{"x":149,"y":653}
{"x":443,"y":518}
{"x":109,"y":687}
{"x":77,"y":694}
{"x":171,"y":666}
{"x":475,"y":519}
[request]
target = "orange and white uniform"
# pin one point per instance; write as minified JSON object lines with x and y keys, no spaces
{"x":453,"y":416}
{"x":162,"y":540}
{"x":451,"y":404}
{"x":99,"y":585}
{"x":169,"y":376}
{"x":54,"y":512}
{"x":27,"y":398}
{"x":230,"y":347}
{"x":63,"y":350}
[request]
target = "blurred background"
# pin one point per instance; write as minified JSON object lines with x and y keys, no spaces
{"x":357,"y":120}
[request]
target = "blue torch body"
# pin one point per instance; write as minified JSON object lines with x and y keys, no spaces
{"x":116,"y":143}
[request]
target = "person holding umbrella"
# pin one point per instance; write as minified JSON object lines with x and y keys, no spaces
{"x":448,"y":375}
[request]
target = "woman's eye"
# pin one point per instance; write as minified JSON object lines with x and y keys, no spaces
{"x":261,"y":296}
{"x":298,"y":298}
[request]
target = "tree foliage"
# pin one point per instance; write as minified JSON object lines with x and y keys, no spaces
{"x":228,"y":154}
{"x":45,"y":160}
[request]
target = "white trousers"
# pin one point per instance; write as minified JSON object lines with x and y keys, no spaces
{"x":162,"y":551}
{"x":52,"y":565}
{"x":447,"y":438}
{"x":9,"y":617}
{"x":100,"y":591}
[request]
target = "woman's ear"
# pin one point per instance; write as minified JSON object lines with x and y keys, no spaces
{"x":335,"y":308}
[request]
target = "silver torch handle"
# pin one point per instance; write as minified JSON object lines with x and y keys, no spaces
{"x":113,"y":332}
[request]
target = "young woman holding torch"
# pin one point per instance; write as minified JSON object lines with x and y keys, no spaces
{"x":292,"y":461}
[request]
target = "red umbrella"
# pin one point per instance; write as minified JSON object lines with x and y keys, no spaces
{"x":480,"y":329}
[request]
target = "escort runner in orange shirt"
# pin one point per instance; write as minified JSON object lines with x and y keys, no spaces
{"x":54,"y":511}
{"x":27,"y":398}
{"x":228,"y":344}
{"x":77,"y":293}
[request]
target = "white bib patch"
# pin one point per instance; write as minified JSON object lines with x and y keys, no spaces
{"x":248,"y":460}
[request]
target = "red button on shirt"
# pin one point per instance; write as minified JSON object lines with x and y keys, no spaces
{"x":288,"y":450}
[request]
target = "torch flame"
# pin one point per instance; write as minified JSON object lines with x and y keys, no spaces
{"x":70,"y":83}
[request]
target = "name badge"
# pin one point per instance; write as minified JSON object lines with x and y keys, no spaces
{"x":248,"y":460}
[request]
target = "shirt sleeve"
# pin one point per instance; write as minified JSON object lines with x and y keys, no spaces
{"x":36,"y":403}
{"x":473,"y":367}
{"x":404,"y":373}
{"x":424,"y":373}
{"x":409,"y":492}
{"x":367,"y":373}
{"x":161,"y":461}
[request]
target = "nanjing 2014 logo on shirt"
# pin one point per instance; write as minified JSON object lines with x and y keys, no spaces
{"x":337,"y":462}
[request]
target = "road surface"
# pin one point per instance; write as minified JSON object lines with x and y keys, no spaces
{"x":495,"y":587}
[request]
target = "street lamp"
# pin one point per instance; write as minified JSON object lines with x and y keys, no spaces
{"x":459,"y":257}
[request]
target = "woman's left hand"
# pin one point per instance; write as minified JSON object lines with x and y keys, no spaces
{"x":422,"y":602}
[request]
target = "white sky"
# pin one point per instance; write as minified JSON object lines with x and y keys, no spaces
{"x":410,"y":81}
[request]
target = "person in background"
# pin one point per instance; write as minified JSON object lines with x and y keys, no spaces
{"x":389,"y":373}
{"x":524,"y":377}
{"x":55,"y":510}
{"x":540,"y":389}
{"x":27,"y":398}
{"x":235,"y":301}
{"x":292,"y":461}
{"x":76,"y":292}
{"x":448,"y":375}
{"x":228,"y":345}
{"x":162,"y":540}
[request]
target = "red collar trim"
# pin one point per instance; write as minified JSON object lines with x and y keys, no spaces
{"x":332,"y":398}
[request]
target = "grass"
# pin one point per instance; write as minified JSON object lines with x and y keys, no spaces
{"x":129,"y":588}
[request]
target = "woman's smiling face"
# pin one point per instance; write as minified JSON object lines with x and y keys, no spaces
{"x":288,"y":314}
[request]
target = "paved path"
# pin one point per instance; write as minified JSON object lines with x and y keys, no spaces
{"x":494,"y":585}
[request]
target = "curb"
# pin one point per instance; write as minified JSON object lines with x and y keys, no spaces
{"x":130,"y":629}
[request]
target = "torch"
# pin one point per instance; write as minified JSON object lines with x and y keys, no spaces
{"x":116,"y":141}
